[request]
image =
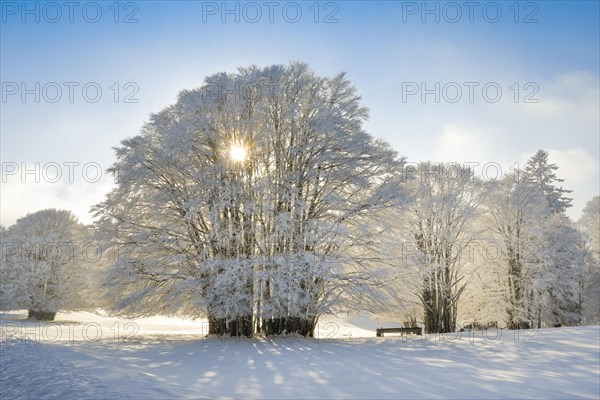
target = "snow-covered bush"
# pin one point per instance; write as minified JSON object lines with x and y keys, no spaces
{"x":44,"y":264}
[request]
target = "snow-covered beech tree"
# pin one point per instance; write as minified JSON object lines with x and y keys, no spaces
{"x":587,"y":273}
{"x":250,"y":202}
{"x":561,"y":262}
{"x":44,"y":267}
{"x":438,"y":232}
{"x":540,"y":251}
{"x":515,"y":207}
{"x":482,"y":302}
{"x":6,"y":292}
{"x":589,"y":225}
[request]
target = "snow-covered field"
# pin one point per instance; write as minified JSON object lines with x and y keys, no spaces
{"x":85,"y":355}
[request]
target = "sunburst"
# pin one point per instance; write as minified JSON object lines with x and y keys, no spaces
{"x":238,"y":153}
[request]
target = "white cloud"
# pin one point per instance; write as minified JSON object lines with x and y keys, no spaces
{"x":581,"y":174}
{"x":21,"y":194}
{"x":468,"y":144}
{"x":461,"y":144}
{"x":565,"y":122}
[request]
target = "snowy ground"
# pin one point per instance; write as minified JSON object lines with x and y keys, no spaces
{"x":84,"y":355}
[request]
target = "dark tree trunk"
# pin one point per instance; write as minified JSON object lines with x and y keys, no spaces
{"x":274,"y":326}
{"x":287,"y":325}
{"x":217,"y":326}
{"x":41,"y":315}
{"x":514,"y":325}
{"x":242,"y":326}
{"x":517,"y":293}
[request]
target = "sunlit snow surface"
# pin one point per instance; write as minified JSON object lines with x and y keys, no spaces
{"x":85,"y":355}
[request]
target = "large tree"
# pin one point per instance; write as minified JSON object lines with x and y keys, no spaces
{"x":45,"y":264}
{"x":563,"y":258}
{"x":438,"y":231}
{"x":558,"y":245}
{"x":250,"y":202}
{"x":540,"y":254}
{"x":515,"y":206}
{"x":589,"y":225}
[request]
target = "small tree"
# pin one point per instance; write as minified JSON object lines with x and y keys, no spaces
{"x":43,"y":264}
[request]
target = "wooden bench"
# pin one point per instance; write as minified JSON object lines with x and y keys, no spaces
{"x":381,"y":331}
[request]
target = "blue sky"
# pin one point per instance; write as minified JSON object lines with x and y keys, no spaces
{"x":382,"y":46}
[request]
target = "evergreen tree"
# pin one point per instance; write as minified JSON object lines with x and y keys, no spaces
{"x":540,"y":171}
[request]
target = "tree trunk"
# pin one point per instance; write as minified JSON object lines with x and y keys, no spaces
{"x":41,"y":315}
{"x":242,"y":326}
{"x":287,"y":325}
{"x":216,"y":326}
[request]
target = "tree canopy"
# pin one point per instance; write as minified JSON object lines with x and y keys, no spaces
{"x":254,"y":209}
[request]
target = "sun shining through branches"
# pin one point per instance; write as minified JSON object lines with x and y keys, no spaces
{"x":237,"y":153}
{"x":264,"y":224}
